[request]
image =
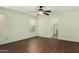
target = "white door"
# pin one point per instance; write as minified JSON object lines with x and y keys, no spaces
{"x":2,"y":30}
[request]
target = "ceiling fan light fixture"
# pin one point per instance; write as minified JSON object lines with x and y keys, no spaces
{"x":40,"y":12}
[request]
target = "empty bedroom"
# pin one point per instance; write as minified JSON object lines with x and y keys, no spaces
{"x":39,"y":29}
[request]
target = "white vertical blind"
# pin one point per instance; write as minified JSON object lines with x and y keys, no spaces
{"x":54,"y":25}
{"x":32,"y":22}
{"x":33,"y":25}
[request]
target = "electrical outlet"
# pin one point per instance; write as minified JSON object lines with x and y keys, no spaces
{"x":6,"y":38}
{"x":69,"y":36}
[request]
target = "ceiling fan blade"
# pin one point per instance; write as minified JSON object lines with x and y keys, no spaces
{"x":46,"y":13}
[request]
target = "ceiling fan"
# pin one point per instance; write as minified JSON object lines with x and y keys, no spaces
{"x":42,"y":11}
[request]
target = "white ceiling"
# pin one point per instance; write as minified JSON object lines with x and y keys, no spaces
{"x":32,"y":10}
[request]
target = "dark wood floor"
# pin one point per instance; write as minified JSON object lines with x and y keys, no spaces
{"x":39,"y":44}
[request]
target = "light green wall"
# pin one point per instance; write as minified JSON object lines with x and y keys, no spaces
{"x":69,"y":26}
{"x":16,"y":25}
{"x":44,"y":27}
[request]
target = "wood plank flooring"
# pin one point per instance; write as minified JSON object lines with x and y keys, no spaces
{"x":40,"y":45}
